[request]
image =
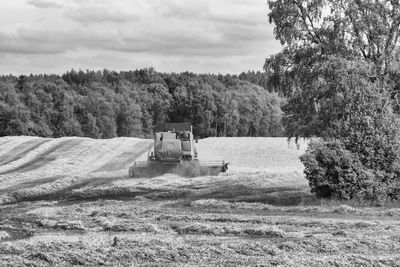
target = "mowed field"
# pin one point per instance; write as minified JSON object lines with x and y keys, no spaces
{"x":69,"y":201}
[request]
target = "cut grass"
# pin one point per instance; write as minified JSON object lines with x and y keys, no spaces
{"x":258,"y":213}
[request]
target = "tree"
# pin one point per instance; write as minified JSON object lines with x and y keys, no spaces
{"x":101,"y":105}
{"x":315,"y":32}
{"x":14,"y":116}
{"x":337,"y":64}
{"x":353,"y":29}
{"x":128,"y":117}
{"x":180,"y":103}
{"x":105,"y":104}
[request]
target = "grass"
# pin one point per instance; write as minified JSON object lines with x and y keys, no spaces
{"x":258,"y":213}
{"x":164,"y":232}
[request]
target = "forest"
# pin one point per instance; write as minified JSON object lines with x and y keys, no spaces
{"x":107,"y":104}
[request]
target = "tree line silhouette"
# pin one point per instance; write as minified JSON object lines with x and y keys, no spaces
{"x":106,"y":104}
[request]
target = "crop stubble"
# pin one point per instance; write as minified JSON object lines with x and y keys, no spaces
{"x":81,"y":209}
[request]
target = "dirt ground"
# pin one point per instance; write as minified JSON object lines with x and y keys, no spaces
{"x":69,"y":201}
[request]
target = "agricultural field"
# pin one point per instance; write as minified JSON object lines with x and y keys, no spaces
{"x":68,"y":201}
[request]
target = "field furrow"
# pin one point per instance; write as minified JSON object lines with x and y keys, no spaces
{"x":20,"y":150}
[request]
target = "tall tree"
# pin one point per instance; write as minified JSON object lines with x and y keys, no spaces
{"x":367,"y":29}
{"x":315,"y":35}
{"x":339,"y":66}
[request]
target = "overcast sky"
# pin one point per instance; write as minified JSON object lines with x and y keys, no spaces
{"x":204,"y":36}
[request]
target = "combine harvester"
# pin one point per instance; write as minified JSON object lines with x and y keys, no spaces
{"x":174,"y":151}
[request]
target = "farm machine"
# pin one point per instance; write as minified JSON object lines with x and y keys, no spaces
{"x":174,"y":151}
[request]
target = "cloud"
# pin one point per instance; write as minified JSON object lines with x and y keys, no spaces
{"x":45,"y":4}
{"x":178,"y":40}
{"x":173,"y":35}
{"x":178,"y":8}
{"x":37,"y":41}
{"x":225,"y":11}
{"x":16,"y":44}
{"x":88,"y":15}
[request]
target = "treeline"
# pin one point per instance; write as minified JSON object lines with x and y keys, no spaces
{"x":106,"y":104}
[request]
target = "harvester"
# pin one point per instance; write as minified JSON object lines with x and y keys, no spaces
{"x":174,"y":151}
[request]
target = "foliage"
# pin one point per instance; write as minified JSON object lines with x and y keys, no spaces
{"x":108,"y":104}
{"x":332,"y":170}
{"x":349,"y":29}
{"x":357,"y":114}
{"x":339,"y":68}
{"x":358,"y":33}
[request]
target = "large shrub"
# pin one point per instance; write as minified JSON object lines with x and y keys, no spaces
{"x":332,"y":170}
{"x":358,"y":153}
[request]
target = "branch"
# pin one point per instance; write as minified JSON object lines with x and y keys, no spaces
{"x":394,"y":29}
{"x":304,"y":16}
{"x":356,"y":31}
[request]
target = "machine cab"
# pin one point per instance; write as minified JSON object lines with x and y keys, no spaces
{"x":174,"y":142}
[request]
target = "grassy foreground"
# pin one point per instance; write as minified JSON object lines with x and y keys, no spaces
{"x":68,"y":202}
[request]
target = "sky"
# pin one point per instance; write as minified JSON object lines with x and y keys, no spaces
{"x":202,"y":36}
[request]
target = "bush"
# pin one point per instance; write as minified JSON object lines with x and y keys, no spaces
{"x":334,"y":171}
{"x":359,"y":152}
{"x":331,"y":170}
